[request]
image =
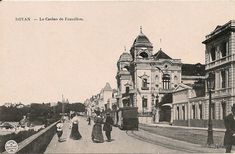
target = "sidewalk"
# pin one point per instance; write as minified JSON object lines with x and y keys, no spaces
{"x":193,"y":135}
{"x":175,"y":144}
{"x":184,"y":127}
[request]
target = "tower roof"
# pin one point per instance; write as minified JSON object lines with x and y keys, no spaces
{"x":107,"y":87}
{"x":161,"y":55}
{"x":142,"y":40}
{"x":125,"y":57}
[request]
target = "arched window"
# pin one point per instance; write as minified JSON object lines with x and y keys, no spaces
{"x":143,"y":55}
{"x":193,"y":112}
{"x":178,"y":113}
{"x":200,"y":110}
{"x":127,"y":89}
{"x":183,"y":110}
{"x":156,"y":78}
{"x":125,"y":68}
{"x":144,"y":84}
{"x":212,"y":53}
{"x":144,"y":103}
{"x":224,"y":49}
{"x":175,"y":79}
{"x":223,"y":103}
{"x":166,"y":81}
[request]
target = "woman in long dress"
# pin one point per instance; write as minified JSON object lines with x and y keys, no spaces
{"x":75,"y":134}
{"x":97,"y":135}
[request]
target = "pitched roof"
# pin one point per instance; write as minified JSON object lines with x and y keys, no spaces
{"x":182,"y":86}
{"x":193,"y":69}
{"x":107,"y":87}
{"x":161,"y":55}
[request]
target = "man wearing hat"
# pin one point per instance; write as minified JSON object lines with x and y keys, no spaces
{"x":108,"y":126}
{"x":229,"y":137}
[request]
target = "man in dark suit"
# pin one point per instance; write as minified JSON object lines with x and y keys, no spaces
{"x":229,"y":137}
{"x":108,"y":127}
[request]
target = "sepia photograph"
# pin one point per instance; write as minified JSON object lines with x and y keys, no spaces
{"x":117,"y":76}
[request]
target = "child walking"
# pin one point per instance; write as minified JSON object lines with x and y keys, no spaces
{"x":59,"y":130}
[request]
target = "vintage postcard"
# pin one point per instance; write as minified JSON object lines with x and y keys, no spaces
{"x":117,"y":76}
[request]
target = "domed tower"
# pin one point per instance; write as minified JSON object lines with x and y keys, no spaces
{"x":142,"y":47}
{"x":124,"y":80}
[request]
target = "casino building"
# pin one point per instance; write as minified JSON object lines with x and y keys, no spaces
{"x":147,"y":79}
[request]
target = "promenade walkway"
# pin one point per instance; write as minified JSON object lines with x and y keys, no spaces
{"x":122,"y":143}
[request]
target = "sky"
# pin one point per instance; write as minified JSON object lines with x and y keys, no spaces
{"x":41,"y":60}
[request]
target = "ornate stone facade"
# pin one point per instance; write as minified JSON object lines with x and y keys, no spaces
{"x":144,"y":77}
{"x":220,"y":62}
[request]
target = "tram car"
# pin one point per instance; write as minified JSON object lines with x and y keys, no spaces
{"x":127,"y":118}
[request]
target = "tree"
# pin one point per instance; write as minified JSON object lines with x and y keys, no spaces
{"x":199,"y":87}
{"x":167,"y":98}
{"x":78,"y":107}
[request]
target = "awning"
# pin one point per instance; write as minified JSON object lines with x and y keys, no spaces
{"x":167,"y":104}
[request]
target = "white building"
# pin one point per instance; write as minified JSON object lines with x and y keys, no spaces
{"x":220,"y":62}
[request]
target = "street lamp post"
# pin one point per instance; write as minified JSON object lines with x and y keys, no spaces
{"x":157,"y":105}
{"x":157,"y":109}
{"x":143,"y":105}
{"x":210,"y":86}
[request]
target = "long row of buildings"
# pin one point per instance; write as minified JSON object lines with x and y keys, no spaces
{"x":165,"y":89}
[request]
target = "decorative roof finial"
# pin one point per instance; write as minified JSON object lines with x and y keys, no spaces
{"x":160,"y":43}
{"x":141,"y":30}
{"x":125,"y":48}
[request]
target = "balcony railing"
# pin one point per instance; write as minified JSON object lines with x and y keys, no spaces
{"x":220,"y":61}
{"x":223,"y":91}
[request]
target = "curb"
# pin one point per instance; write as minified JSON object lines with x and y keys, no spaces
{"x":192,"y":128}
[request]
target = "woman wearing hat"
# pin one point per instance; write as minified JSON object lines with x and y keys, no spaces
{"x":97,"y":135}
{"x":75,"y":134}
{"x":229,"y":137}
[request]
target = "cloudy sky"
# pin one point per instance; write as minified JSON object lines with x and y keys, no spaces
{"x":41,"y":60}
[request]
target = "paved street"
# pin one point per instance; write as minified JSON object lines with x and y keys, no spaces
{"x":123,"y":143}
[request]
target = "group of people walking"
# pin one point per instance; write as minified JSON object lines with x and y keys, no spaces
{"x":96,"y":135}
{"x":75,"y":134}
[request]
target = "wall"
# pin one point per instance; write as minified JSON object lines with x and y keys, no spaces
{"x":37,"y":143}
{"x":145,"y":119}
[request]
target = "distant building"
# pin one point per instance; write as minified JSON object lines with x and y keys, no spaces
{"x":105,"y":95}
{"x":102,"y":101}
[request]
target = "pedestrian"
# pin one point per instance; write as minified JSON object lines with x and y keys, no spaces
{"x":97,"y":135}
{"x":89,"y":120}
{"x":59,"y":130}
{"x":108,"y":126}
{"x":75,"y":134}
{"x":229,"y":137}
